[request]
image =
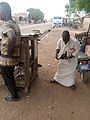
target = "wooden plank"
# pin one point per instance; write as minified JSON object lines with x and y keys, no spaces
{"x":26,"y":67}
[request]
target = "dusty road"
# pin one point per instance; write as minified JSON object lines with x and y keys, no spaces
{"x":47,"y":101}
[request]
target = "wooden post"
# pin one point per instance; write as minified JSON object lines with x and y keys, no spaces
{"x":26,"y":65}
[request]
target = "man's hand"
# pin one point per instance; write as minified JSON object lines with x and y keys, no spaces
{"x":71,"y":57}
{"x":63,"y":56}
{"x":56,"y":56}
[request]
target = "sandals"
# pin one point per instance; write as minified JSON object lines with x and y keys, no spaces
{"x":52,"y":81}
{"x":11,"y":98}
{"x":73,"y":87}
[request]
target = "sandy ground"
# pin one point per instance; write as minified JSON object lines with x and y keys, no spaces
{"x":47,"y":101}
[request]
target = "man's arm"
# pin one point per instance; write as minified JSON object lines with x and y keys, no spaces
{"x":58,"y":48}
{"x":56,"y":55}
{"x":11,"y":42}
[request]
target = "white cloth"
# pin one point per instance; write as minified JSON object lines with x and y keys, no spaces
{"x":65,"y":74}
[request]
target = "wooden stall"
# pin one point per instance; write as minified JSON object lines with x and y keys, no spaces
{"x":84,"y":38}
{"x":84,"y":55}
{"x":87,"y":48}
{"x":27,"y":69}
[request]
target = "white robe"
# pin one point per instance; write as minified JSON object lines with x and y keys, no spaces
{"x":65,"y":74}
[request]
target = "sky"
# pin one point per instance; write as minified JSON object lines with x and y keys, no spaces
{"x":50,"y":8}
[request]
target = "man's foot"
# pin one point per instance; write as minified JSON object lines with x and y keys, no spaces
{"x":12,"y":98}
{"x":39,"y":65}
{"x":73,"y":87}
{"x":52,"y":81}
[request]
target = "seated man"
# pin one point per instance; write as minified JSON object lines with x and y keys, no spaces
{"x":67,"y":53}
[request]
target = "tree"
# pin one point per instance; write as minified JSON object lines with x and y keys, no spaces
{"x":83,"y":5}
{"x":67,"y":9}
{"x":35,"y":14}
{"x":71,"y":8}
{"x":80,"y":5}
{"x":76,"y":7}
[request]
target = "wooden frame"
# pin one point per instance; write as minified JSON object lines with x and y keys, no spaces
{"x":28,"y":60}
{"x":29,"y":51}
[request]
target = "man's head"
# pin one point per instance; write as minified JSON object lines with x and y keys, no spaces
{"x":65,"y":36}
{"x":5,"y":11}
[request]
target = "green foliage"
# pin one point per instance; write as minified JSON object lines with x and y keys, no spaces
{"x":35,"y":14}
{"x":83,"y":5}
{"x":80,"y":5}
{"x":67,"y":9}
{"x":72,"y":5}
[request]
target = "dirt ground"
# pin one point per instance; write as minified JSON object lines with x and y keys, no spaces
{"x":47,"y":101}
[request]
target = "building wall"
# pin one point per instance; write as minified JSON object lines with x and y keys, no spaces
{"x":21,"y":17}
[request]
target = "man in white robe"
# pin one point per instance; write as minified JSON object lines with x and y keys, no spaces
{"x":67,"y":53}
